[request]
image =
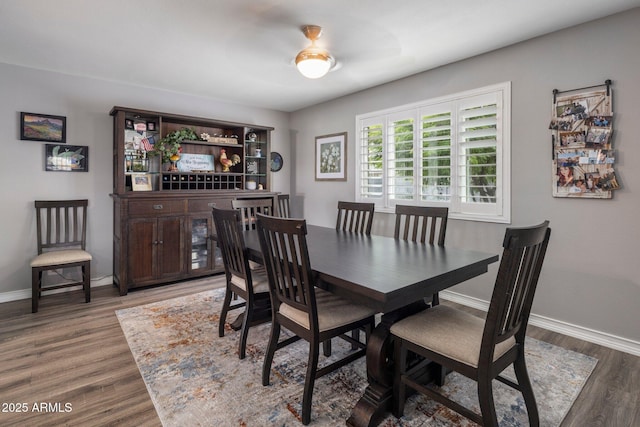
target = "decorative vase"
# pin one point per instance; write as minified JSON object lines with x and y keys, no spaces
{"x":174,"y":159}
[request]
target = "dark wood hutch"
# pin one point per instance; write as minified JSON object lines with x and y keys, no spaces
{"x":166,"y":233}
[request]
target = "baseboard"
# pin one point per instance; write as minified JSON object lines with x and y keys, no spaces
{"x":580,"y":332}
{"x":26,"y":293}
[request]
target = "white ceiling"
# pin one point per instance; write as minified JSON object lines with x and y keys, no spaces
{"x":242,"y":51}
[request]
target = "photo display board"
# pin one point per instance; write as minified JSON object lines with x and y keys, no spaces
{"x":583,"y":160}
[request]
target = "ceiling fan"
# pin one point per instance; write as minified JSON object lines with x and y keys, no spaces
{"x":313,"y":62}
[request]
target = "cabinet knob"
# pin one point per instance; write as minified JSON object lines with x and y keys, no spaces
{"x":157,"y":207}
{"x":211,"y":205}
{"x":160,"y":242}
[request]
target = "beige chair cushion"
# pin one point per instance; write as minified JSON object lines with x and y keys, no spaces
{"x":258,"y":278}
{"x":447,"y":331}
{"x":67,"y":256}
{"x":333,"y":311}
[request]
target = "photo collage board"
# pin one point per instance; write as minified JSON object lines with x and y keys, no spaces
{"x":583,"y":154}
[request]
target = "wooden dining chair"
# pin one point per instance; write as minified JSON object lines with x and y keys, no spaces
{"x":248,"y":283}
{"x":284,"y":210}
{"x":478,"y":349}
{"x":61,"y":227}
{"x":310,"y":313}
{"x":355,"y":217}
{"x":422,"y":224}
{"x":250,"y":207}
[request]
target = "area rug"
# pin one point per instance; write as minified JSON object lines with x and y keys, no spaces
{"x":195,"y":378}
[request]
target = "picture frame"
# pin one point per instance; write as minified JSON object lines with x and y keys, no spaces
{"x":128,"y":124}
{"x":66,"y":158}
{"x":141,"y":182}
{"x":43,"y":127}
{"x":331,"y":157}
{"x":151,"y":126}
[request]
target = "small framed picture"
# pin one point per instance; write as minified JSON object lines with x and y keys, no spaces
{"x":141,"y":182}
{"x":128,"y":124}
{"x":331,"y":157}
{"x":66,"y":158}
{"x":151,"y":126}
{"x":43,"y":127}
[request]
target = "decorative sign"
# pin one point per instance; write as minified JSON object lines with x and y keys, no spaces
{"x":195,"y":162}
{"x":583,"y":157}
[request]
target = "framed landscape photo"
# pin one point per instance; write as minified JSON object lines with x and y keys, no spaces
{"x":66,"y":158}
{"x":141,"y":182}
{"x":331,"y":157}
{"x":43,"y":127}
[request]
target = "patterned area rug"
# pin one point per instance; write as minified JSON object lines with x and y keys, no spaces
{"x":195,"y":378}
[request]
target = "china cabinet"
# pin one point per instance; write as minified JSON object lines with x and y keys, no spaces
{"x":166,"y":234}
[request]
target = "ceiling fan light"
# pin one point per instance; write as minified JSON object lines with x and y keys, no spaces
{"x":313,"y":62}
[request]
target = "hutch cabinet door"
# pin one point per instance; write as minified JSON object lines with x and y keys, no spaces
{"x":171,"y":250}
{"x":142,"y":249}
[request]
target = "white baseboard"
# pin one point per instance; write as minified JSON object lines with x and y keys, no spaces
{"x":597,"y":337}
{"x":26,"y":293}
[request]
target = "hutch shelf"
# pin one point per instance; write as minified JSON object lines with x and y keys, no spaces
{"x":166,"y":233}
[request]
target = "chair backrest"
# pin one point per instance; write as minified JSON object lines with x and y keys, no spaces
{"x":231,"y":243}
{"x":61,"y":224}
{"x":522,"y":257}
{"x":283,"y":206}
{"x":284,"y":248}
{"x":250,"y":207}
{"x":419,"y":223}
{"x":356,"y":217}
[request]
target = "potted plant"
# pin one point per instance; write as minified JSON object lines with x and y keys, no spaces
{"x":169,"y":147}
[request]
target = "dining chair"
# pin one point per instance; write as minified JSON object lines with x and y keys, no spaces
{"x":61,"y":227}
{"x":422,"y":224}
{"x":355,"y":217}
{"x":283,"y":206}
{"x":310,"y":313}
{"x":250,"y":207}
{"x":476,"y":348}
{"x":243,"y":281}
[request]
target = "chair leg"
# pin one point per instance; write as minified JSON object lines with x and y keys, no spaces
{"x":399,"y":389}
{"x":520,"y":369}
{"x":309,"y":382}
{"x":485,"y":398}
{"x":326,"y":348}
{"x":36,"y":278}
{"x":244,"y":330}
{"x":435,"y":299}
{"x":86,"y":284}
{"x":271,"y":349}
{"x":224,"y":311}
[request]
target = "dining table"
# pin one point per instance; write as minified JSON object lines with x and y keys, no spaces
{"x":392,"y":276}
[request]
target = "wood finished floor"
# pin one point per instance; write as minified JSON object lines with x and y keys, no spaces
{"x":72,"y":352}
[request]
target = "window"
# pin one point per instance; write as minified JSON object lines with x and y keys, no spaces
{"x":451,"y":151}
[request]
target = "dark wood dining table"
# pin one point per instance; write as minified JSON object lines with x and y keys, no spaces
{"x":390,"y":275}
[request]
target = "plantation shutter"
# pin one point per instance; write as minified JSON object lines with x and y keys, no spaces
{"x":370,"y":176}
{"x":435,"y":155}
{"x":477,"y":178}
{"x":400,"y":157}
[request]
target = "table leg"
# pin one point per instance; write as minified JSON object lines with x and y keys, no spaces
{"x":378,"y":396}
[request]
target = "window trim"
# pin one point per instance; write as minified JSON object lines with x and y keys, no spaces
{"x":503,"y":153}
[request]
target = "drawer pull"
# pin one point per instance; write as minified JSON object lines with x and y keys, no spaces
{"x":211,"y":205}
{"x":157,"y":207}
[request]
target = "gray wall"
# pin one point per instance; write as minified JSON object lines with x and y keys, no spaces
{"x":591,"y":274}
{"x":86,"y":104}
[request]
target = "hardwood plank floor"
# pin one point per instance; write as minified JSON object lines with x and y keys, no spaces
{"x":75,"y":353}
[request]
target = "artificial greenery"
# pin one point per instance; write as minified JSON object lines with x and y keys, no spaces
{"x":170,"y":144}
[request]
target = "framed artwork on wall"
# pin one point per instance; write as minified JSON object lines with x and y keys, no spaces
{"x":43,"y":127}
{"x":331,"y":157}
{"x":66,"y":158}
